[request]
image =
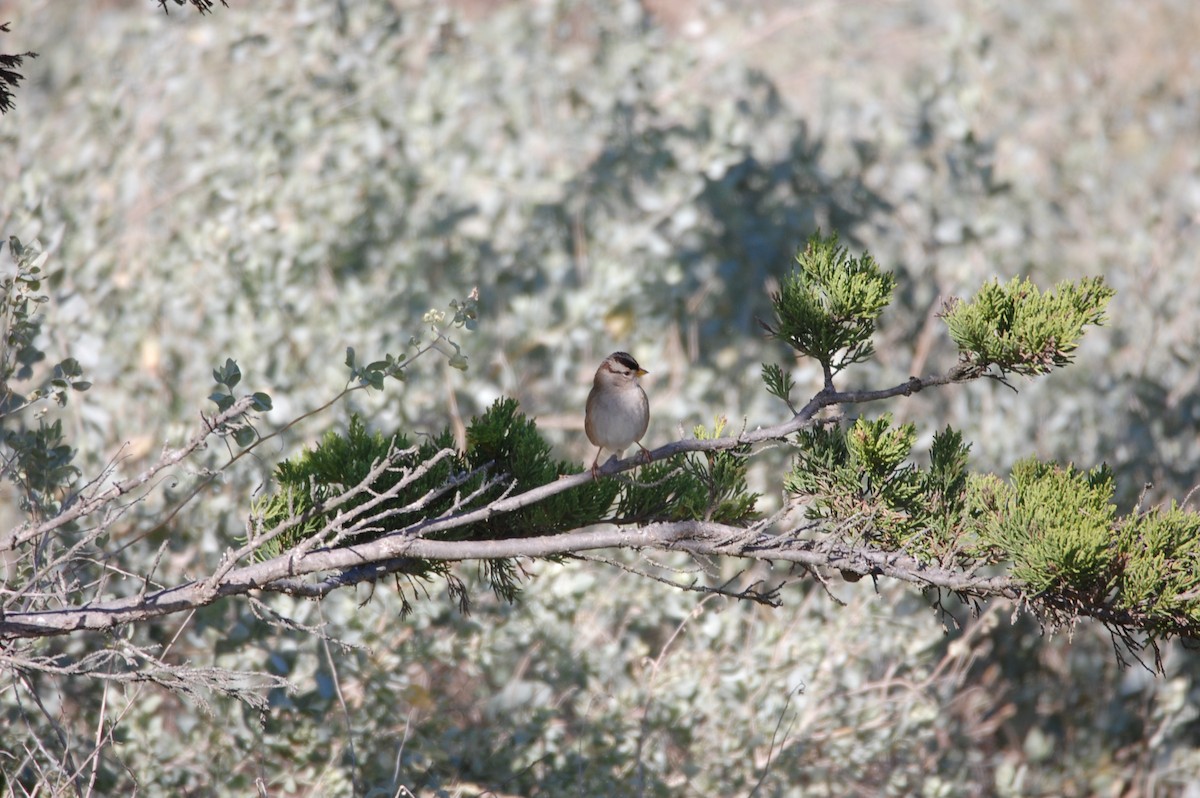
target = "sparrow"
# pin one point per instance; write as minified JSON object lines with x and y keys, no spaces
{"x":618,"y":411}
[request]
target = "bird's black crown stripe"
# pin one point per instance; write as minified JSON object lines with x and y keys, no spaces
{"x":626,"y":360}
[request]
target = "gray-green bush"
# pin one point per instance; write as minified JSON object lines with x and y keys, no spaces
{"x":274,"y":183}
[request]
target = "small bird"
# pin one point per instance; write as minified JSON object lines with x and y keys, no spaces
{"x":618,"y":411}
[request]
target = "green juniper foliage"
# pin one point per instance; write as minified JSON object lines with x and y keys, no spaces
{"x":827,"y":307}
{"x":1159,"y":557}
{"x":779,"y":383}
{"x":1055,"y":529}
{"x":709,"y":487}
{"x":1055,"y":525}
{"x":10,"y":78}
{"x":862,"y":472}
{"x":945,"y":482}
{"x":1059,"y":529}
{"x":1020,"y":329}
{"x":504,"y":441}
{"x":307,"y":482}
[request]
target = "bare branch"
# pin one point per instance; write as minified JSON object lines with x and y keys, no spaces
{"x":369,"y":561}
{"x":211,"y":426}
{"x":401,"y":552}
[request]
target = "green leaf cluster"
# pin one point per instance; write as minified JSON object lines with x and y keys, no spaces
{"x":1021,"y":330}
{"x":862,"y":472}
{"x":1055,"y":525}
{"x":36,"y":459}
{"x":228,"y":376}
{"x":828,"y":305}
{"x":372,"y":375}
{"x":21,"y":299}
{"x":41,"y":465}
{"x":465,"y":316}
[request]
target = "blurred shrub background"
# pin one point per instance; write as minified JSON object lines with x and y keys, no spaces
{"x":280,"y":180}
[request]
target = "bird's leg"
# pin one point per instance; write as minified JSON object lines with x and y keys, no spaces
{"x":646,"y":456}
{"x":595,"y":467}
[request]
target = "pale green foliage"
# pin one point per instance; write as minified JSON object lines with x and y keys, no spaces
{"x":829,"y":304}
{"x":879,"y":446}
{"x":1160,"y":555}
{"x":1054,"y":524}
{"x":1055,"y":529}
{"x":1019,"y":329}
